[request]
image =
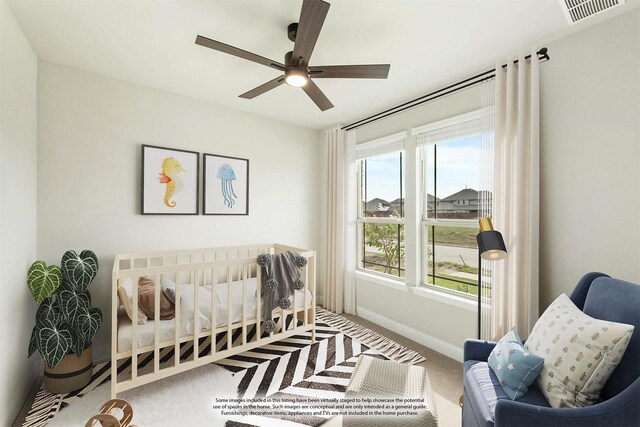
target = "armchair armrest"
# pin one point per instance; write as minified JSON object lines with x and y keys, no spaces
{"x":621,"y":410}
{"x":477,"y":350}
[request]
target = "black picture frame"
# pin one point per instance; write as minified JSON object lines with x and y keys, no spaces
{"x":212,"y":206}
{"x":147,"y":206}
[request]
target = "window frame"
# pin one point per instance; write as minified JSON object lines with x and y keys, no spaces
{"x":425,"y":221}
{"x":389,"y":144}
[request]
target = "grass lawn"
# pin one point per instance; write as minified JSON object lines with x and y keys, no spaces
{"x":455,"y":236}
{"x":468,"y":287}
{"x":456,"y":266}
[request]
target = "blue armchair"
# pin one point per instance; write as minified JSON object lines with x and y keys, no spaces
{"x":486,"y":404}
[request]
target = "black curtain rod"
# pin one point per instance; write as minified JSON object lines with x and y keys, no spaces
{"x":543,"y":55}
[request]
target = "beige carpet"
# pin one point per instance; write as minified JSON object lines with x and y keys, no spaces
{"x":445,"y":375}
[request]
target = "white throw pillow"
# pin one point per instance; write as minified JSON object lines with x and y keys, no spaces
{"x":579,"y":352}
{"x":168,"y":289}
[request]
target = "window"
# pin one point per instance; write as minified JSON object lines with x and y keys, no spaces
{"x":453,"y":200}
{"x":445,"y":162}
{"x":381,"y":206}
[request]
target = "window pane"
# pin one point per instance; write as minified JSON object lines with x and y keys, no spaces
{"x":383,"y":248}
{"x":452,"y":258}
{"x":382,"y":181}
{"x":453,"y":179}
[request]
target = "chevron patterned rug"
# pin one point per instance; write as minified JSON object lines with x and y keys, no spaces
{"x":291,"y":368}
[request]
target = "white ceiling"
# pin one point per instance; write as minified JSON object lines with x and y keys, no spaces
{"x":428,"y":43}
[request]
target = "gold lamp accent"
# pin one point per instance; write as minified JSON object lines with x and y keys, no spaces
{"x":486,"y":224}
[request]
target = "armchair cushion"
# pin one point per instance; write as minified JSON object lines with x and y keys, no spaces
{"x":483,"y":392}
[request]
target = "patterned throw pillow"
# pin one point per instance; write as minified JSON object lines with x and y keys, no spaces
{"x":580,"y":353}
{"x":515,"y":366}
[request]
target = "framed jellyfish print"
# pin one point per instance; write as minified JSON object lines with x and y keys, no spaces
{"x":225,"y":185}
{"x":170,"y":181}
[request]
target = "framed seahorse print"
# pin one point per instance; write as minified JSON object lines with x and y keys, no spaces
{"x":225,"y":185}
{"x":170,"y":181}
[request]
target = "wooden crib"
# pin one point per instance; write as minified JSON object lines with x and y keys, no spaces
{"x":169,"y":347}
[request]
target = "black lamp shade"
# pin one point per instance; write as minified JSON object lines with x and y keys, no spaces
{"x":491,"y":245}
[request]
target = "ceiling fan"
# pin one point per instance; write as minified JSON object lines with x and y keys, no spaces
{"x":296,"y":68}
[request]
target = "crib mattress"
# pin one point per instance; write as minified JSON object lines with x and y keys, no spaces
{"x":146,"y":332}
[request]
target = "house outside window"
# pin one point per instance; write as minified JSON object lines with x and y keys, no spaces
{"x":381,"y":216}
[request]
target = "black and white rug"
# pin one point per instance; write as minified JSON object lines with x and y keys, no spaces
{"x":294,"y":367}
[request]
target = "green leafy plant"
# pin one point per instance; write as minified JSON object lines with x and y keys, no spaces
{"x":65,"y":321}
{"x":388,"y":238}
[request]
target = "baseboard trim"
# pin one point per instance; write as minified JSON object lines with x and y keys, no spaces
{"x":433,"y":343}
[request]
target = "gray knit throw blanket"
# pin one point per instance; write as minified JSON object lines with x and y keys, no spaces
{"x":280,"y":279}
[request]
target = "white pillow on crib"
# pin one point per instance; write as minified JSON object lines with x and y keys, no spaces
{"x":168,"y":289}
{"x":187,"y":303}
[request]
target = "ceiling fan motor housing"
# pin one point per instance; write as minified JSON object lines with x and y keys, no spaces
{"x":287,"y":58}
{"x":292,"y":31}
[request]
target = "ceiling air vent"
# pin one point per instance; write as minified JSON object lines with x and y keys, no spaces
{"x":577,"y":10}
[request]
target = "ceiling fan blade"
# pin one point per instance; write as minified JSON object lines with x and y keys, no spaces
{"x":377,"y":71}
{"x":317,"y":96}
{"x":272,"y":84}
{"x":231,"y":50}
{"x":312,"y":17}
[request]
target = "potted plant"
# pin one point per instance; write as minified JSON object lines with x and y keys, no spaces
{"x":66,"y":323}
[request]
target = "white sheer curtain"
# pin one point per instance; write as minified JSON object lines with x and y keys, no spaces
{"x":516,"y":196}
{"x":340,"y":250}
{"x":488,"y":278}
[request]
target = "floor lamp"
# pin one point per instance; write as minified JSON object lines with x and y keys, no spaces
{"x":490,"y":247}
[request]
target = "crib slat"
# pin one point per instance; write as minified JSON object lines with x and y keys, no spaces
{"x":294,"y":305}
{"x":214,"y":311}
{"x":156,"y":325}
{"x":115,"y":305}
{"x":311,"y":265}
{"x":229,"y":331}
{"x":244,"y":304}
{"x":271,"y":252}
{"x":178,"y":324}
{"x":306,"y":288}
{"x":258,"y":302}
{"x":196,"y":311}
{"x":134,"y":329}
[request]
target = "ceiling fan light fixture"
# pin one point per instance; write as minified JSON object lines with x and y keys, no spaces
{"x":296,"y":78}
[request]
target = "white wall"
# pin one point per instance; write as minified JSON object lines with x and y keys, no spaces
{"x":18,"y":179}
{"x":90,"y":129}
{"x":590,"y":156}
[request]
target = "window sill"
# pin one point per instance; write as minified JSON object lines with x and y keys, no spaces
{"x":422,"y":292}
{"x":379,"y":279}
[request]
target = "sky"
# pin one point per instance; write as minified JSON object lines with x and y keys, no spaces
{"x":458,"y":168}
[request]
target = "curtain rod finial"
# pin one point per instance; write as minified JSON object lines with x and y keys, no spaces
{"x":543,"y":53}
